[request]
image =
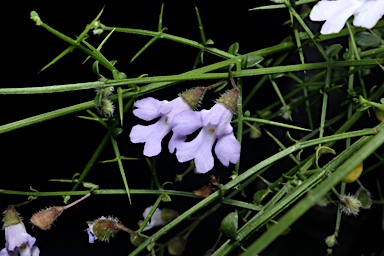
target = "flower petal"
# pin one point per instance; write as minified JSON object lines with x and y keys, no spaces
{"x":199,"y":149}
{"x":152,"y":135}
{"x":155,"y":220}
{"x":91,"y":236}
{"x":336,"y":13}
{"x":369,"y":14}
{"x":35,"y":251}
{"x":227,"y":149}
{"x":175,"y":141}
{"x":218,"y":116}
{"x":4,"y":252}
{"x":148,"y":108}
{"x":173,"y":108}
{"x":16,"y":235}
{"x":186,"y":122}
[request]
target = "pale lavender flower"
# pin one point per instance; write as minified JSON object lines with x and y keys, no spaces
{"x":18,"y":241}
{"x":156,"y":219}
{"x":335,"y":13}
{"x":152,"y":135}
{"x":215,"y":124}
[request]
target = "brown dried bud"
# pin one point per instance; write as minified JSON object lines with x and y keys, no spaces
{"x":44,"y":218}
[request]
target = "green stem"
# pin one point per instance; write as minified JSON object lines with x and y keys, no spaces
{"x":316,"y":194}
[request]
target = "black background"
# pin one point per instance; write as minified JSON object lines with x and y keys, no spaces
{"x":61,"y":147}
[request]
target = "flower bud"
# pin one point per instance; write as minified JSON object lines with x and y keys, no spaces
{"x":137,"y":240}
{"x":168,"y":215}
{"x":44,"y":218}
{"x":230,"y":99}
{"x":11,"y":217}
{"x":331,"y":241}
{"x":103,"y":229}
{"x":193,"y":96}
{"x":176,"y":246}
{"x":106,"y":108}
{"x":349,"y":205}
{"x":105,"y":91}
{"x":365,"y":198}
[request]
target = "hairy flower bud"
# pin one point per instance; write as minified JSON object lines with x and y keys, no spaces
{"x":11,"y":217}
{"x":106,"y":108}
{"x":44,"y":218}
{"x":103,"y":229}
{"x":349,"y":205}
{"x":331,"y":241}
{"x":193,"y":96}
{"x":230,"y":99}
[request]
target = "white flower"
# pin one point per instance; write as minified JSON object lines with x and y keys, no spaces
{"x":335,"y":13}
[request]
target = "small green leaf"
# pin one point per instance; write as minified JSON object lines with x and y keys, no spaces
{"x":366,"y":39}
{"x":66,"y":199}
{"x":333,"y":50}
{"x":209,"y":42}
{"x":234,"y":48}
{"x":230,"y":224}
{"x":251,"y":61}
{"x":137,"y":240}
{"x":95,"y":68}
{"x":122,"y":75}
{"x":90,"y":185}
{"x":166,"y":198}
{"x":117,"y":131}
{"x":260,"y":195}
{"x":98,"y":98}
{"x":113,"y":62}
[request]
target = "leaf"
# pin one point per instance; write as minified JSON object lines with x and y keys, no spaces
{"x":95,"y":68}
{"x":251,"y":61}
{"x":230,"y":224}
{"x":333,"y":50}
{"x":260,"y":195}
{"x":234,"y":48}
{"x":366,"y":39}
{"x":166,"y":198}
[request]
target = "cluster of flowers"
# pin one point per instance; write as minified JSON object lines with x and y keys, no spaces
{"x":336,"y":13}
{"x":19,"y":242}
{"x":179,"y":116}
